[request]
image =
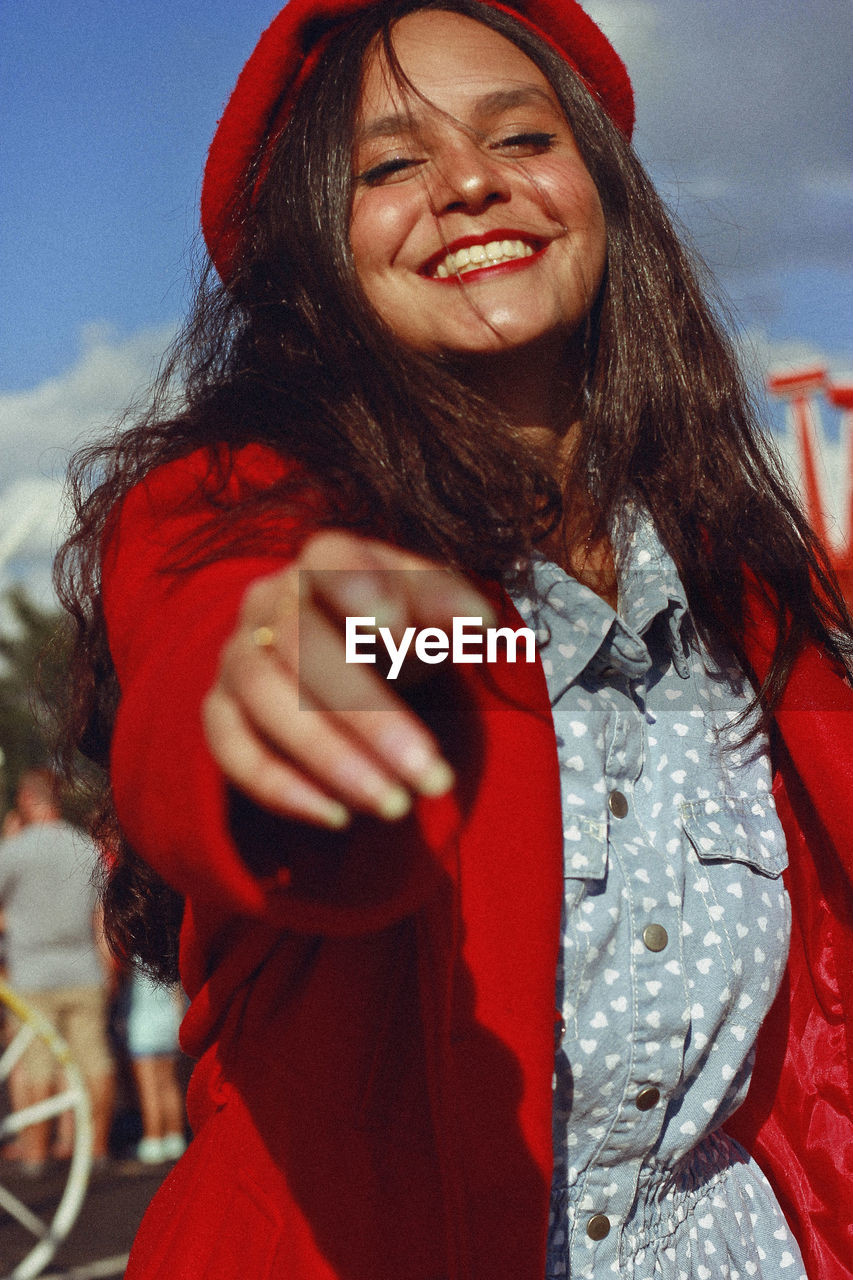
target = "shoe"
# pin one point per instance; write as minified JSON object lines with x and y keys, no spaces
{"x":173,"y":1146}
{"x":150,"y":1151}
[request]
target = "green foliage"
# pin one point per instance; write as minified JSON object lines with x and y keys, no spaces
{"x":35,"y":644}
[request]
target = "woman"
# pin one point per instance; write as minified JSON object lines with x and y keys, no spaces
{"x":456,"y":329}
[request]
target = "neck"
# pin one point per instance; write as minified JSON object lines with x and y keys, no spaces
{"x":539,"y":389}
{"x":41,"y":813}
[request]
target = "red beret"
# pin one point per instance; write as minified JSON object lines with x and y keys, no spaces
{"x":288,"y":51}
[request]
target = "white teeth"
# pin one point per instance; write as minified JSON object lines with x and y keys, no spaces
{"x":456,"y":264}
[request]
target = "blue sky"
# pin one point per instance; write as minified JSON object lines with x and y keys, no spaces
{"x":107,"y":111}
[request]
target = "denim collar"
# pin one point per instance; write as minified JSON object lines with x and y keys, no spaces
{"x":576,"y":629}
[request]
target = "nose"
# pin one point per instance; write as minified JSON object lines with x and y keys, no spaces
{"x":465,"y":178}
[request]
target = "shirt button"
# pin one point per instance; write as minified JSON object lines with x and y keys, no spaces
{"x":647,"y":1098}
{"x":617,"y":804}
{"x":598,"y":1227}
{"x":655,"y":937}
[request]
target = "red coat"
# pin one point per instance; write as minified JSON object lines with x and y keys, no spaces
{"x":373,"y":1011}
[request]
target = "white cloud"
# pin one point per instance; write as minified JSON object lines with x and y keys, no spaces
{"x":30,"y":516}
{"x":761,"y":354}
{"x":33,"y":522}
{"x":39,"y":428}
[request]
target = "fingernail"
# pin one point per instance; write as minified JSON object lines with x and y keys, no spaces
{"x":386,"y":612}
{"x":477,"y":607}
{"x":335,"y":816}
{"x":362,"y":594}
{"x":394,"y":804}
{"x":438,"y":779}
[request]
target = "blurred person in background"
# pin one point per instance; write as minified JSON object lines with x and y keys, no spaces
{"x":153,"y":1016}
{"x":55,"y":960}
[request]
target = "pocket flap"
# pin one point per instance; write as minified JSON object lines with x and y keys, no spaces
{"x":733,"y":829}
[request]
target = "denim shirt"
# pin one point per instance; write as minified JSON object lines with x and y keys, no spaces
{"x":674,"y":934}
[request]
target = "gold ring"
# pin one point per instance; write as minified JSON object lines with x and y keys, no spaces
{"x":263,"y":637}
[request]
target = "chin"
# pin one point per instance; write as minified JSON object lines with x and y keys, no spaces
{"x":512,"y":341}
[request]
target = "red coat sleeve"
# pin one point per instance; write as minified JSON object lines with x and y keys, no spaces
{"x":798,"y":1116}
{"x":166,"y":627}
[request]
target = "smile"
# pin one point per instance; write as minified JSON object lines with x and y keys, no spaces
{"x":476,"y":257}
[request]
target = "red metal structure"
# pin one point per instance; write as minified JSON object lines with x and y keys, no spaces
{"x":799,"y":388}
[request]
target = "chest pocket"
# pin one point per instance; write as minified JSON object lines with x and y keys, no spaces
{"x":733,"y":829}
{"x":735,"y":855}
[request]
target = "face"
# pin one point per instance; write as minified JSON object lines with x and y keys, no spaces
{"x":475,"y":226}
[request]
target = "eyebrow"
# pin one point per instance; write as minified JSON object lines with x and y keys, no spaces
{"x":485,"y":108}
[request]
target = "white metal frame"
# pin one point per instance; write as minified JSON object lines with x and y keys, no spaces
{"x":49,"y":1234}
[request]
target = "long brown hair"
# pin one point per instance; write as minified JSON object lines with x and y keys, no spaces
{"x":291,"y":355}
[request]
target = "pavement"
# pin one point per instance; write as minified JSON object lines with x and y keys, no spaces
{"x":99,"y":1242}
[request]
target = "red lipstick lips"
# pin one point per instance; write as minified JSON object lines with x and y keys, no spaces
{"x":507,"y":250}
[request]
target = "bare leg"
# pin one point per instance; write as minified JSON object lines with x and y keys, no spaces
{"x":102,"y":1096}
{"x":33,"y":1142}
{"x":12,"y":1148}
{"x":63,"y":1142}
{"x":160,"y":1098}
{"x":171,"y":1096}
{"x":147,"y":1076}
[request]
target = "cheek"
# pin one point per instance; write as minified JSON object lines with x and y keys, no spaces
{"x":581,"y":212}
{"x":380,"y":231}
{"x":572,"y":199}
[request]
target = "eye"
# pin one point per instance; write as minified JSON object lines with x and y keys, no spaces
{"x":395,"y":169}
{"x":528,"y":143}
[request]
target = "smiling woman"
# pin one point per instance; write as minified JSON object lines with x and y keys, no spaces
{"x":476,"y":227}
{"x":491,"y":964}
